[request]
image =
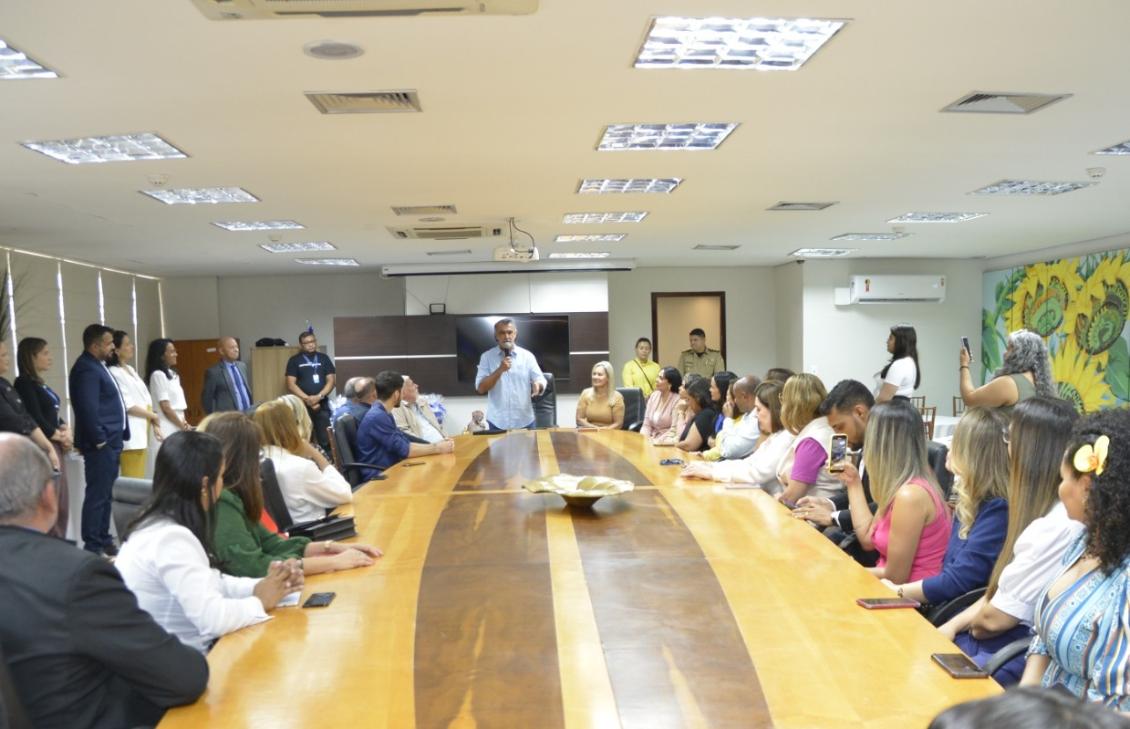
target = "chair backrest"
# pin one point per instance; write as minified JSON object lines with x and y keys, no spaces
{"x":633,"y":405}
{"x":12,"y":714}
{"x":918,"y":401}
{"x":273,"y":500}
{"x":335,"y":454}
{"x":345,"y":443}
{"x":545,"y":405}
{"x":958,"y":405}
{"x":126,"y":498}
{"x":936,"y":454}
{"x":928,"y":416}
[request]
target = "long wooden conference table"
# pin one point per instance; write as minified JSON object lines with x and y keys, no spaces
{"x":680,"y":604}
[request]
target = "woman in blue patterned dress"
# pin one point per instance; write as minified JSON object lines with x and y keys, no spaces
{"x":1082,"y":621}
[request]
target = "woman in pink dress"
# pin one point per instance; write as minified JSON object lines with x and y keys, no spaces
{"x":911,"y":526}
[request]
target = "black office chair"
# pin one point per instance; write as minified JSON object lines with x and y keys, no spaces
{"x":936,"y":454}
{"x":126,"y":499}
{"x":12,"y":713}
{"x":633,"y":407}
{"x":273,"y":500}
{"x":545,"y":405}
{"x":998,"y":660}
{"x":943,"y":612}
{"x":345,"y":440}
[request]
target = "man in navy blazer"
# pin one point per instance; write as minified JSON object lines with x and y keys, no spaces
{"x":100,"y":427}
{"x":226,"y":383}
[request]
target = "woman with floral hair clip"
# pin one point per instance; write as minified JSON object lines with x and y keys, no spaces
{"x":1082,"y":621}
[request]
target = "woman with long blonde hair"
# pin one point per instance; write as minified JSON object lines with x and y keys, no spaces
{"x":979,"y":463}
{"x":601,"y":406}
{"x":911,"y":526}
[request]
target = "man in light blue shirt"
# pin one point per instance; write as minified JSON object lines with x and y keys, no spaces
{"x":509,"y":376}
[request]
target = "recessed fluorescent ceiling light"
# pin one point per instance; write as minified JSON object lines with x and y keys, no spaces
{"x":708,"y":247}
{"x":695,"y":135}
{"x":800,"y":206}
{"x":246,"y":225}
{"x":116,"y":148}
{"x":597,"y":218}
{"x":327,"y":261}
{"x":594,"y":254}
{"x":1030,"y":187}
{"x":980,"y":102}
{"x":202,"y":195}
{"x":16,"y":65}
{"x":766,"y":44}
{"x":936,"y":217}
{"x":822,"y":252}
{"x":643,"y":184}
{"x":1121,"y":148}
{"x":299,"y":247}
{"x":609,"y":238}
{"x":464,"y":252}
{"x":871,"y":236}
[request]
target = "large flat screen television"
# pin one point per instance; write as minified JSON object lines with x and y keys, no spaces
{"x":547,"y":336}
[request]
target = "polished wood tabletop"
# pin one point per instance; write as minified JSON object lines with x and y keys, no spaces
{"x":680,"y":604}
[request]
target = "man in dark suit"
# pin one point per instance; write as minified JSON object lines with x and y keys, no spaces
{"x":226,"y":383}
{"x":80,"y":651}
{"x":100,"y":427}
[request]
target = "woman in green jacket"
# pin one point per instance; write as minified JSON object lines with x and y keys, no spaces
{"x":244,"y":547}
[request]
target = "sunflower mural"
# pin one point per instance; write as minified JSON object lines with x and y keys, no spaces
{"x":1080,"y":306}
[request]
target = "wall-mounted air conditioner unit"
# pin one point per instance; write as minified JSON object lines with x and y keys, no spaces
{"x":887,"y":289}
{"x":279,"y":9}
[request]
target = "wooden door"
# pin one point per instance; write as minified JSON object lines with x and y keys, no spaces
{"x":194,"y":357}
{"x":674,"y":315}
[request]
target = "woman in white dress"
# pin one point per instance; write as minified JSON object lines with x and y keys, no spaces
{"x":138,"y":406}
{"x":901,"y":376}
{"x":165,"y":388}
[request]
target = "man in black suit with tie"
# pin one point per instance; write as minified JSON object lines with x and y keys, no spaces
{"x":80,"y":651}
{"x":100,"y":427}
{"x":226,"y":384}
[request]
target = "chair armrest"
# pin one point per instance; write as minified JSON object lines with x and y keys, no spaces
{"x":380,"y":475}
{"x":635,"y":427}
{"x":1006,"y":654}
{"x":943,"y":612}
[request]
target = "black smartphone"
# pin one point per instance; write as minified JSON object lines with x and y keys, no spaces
{"x":319,"y":599}
{"x":968,"y":349}
{"x":837,"y":458}
{"x":671,"y":462}
{"x":887,"y":603}
{"x":958,"y":665}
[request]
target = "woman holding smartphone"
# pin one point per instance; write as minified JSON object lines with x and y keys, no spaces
{"x":911,"y":526}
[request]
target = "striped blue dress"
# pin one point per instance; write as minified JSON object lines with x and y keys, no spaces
{"x":1085,"y":631}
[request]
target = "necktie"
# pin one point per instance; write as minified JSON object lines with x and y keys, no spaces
{"x":242,"y":398}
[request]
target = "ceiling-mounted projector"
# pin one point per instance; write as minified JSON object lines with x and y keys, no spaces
{"x":510,"y":254}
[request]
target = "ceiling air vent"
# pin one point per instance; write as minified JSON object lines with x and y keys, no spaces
{"x":419,"y":210}
{"x":801,"y":206}
{"x":981,"y":102}
{"x":446,"y":232}
{"x":365,"y":102}
{"x":278,"y":9}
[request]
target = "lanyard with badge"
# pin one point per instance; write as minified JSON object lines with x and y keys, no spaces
{"x":317,"y":365}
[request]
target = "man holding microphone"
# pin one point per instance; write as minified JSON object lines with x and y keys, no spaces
{"x":509,"y":376}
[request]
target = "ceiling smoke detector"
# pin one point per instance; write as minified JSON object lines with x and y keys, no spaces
{"x":331,"y":50}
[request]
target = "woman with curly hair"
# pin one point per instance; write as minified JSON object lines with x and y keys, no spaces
{"x":1082,"y":620}
{"x":1025,"y":373}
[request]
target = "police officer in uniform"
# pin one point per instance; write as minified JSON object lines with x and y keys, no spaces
{"x":700,"y":360}
{"x":310,"y":375}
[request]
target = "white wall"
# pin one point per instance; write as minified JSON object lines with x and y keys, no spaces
{"x":192,"y":307}
{"x":788,"y":281}
{"x":850,"y":341}
{"x":508,"y":293}
{"x":750,"y":311}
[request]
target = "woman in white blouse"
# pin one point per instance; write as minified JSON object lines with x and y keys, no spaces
{"x":901,"y":376}
{"x":138,"y":406}
{"x":309,"y":483}
{"x":164,"y":386}
{"x":760,"y":467}
{"x":164,"y":558}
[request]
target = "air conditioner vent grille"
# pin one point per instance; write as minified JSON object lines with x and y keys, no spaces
{"x":365,"y":102}
{"x":980,"y":102}
{"x":446,"y":232}
{"x":418,"y":210}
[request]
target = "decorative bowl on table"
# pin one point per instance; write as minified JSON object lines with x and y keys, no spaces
{"x":579,"y":491}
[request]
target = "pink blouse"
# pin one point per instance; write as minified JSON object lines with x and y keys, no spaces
{"x":931,"y":545}
{"x":657,"y":416}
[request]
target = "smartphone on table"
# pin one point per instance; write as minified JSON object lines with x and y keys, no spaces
{"x":319,"y":599}
{"x":837,"y":457}
{"x":887,"y":603}
{"x":958,"y":665}
{"x":671,"y":462}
